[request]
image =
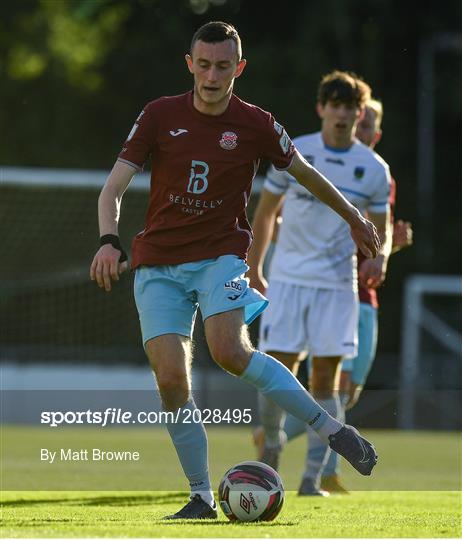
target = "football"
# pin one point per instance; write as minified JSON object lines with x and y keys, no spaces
{"x":251,"y":491}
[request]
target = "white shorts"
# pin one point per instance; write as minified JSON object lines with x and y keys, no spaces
{"x":322,"y":322}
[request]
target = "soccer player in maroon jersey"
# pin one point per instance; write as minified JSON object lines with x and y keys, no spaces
{"x":205,"y":147}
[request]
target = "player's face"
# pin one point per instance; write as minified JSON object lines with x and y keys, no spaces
{"x":338,"y":122}
{"x":366,"y":130}
{"x":214,"y":66}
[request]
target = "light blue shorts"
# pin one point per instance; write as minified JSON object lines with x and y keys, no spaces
{"x":361,"y":364}
{"x":167,"y":296}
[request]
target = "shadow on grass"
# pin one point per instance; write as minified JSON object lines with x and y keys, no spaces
{"x":108,"y":500}
{"x":221,"y":522}
{"x":129,"y":500}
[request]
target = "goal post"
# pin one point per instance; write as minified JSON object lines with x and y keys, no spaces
{"x":417,"y":318}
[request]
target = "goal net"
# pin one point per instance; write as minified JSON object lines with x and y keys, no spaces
{"x":49,"y":308}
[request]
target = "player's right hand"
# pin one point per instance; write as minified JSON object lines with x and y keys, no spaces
{"x":106,"y":266}
{"x":365,"y":237}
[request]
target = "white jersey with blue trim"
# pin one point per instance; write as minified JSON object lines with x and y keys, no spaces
{"x":314,"y":247}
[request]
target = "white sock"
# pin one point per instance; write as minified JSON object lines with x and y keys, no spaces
{"x":206,"y":496}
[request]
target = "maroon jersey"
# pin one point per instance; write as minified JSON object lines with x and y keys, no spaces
{"x":202,"y":172}
{"x":369,"y":296}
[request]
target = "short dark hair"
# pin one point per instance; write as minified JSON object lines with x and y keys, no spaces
{"x":216,"y":32}
{"x":344,"y":87}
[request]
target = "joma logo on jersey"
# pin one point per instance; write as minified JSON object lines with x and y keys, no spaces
{"x":198,"y":182}
{"x":176,"y":132}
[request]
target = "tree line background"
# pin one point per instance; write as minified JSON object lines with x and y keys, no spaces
{"x":76,"y":73}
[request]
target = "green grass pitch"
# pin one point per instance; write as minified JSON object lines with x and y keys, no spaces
{"x":414,"y":491}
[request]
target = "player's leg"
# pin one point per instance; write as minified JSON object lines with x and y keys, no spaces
{"x":272,"y":417}
{"x":282,"y":336}
{"x":170,"y":359}
{"x":332,"y":326}
{"x":323,"y":385}
{"x":228,"y":305}
{"x":368,"y":333}
{"x":230,"y":347}
{"x":352,"y":379}
{"x":293,"y":427}
{"x":169,"y":356}
{"x":166,"y":316}
{"x":330,"y":480}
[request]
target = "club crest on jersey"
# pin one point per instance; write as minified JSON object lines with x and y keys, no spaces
{"x":359,"y":172}
{"x":228,"y":140}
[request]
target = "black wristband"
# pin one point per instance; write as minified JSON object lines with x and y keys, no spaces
{"x":114,"y":240}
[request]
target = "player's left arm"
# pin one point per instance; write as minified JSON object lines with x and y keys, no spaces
{"x":362,"y":230}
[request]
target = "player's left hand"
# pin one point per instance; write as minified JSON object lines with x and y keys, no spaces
{"x":372,"y":272}
{"x":365,"y":236}
{"x":402,"y":234}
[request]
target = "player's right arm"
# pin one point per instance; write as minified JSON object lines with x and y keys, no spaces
{"x":106,"y":265}
{"x":262,"y":226}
